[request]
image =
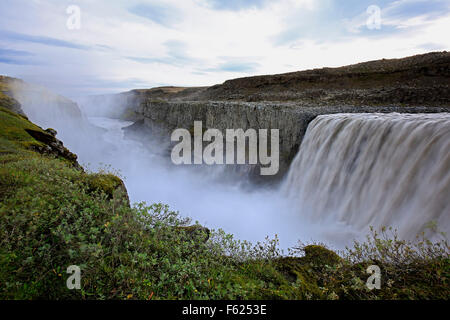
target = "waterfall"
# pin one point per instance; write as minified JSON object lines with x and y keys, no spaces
{"x":375,"y":170}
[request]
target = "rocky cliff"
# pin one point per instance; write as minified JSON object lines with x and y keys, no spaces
{"x":124,"y":105}
{"x":288,"y":102}
{"x":160,"y":118}
{"x":38,"y":102}
{"x":48,"y":109}
{"x":6,"y":96}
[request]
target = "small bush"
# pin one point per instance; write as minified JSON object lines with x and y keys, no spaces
{"x":409,"y":269}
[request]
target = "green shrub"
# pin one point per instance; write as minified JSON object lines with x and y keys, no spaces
{"x":409,"y":269}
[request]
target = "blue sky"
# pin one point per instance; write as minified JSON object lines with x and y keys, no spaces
{"x":126,"y":44}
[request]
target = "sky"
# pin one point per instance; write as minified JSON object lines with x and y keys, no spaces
{"x":82,"y":47}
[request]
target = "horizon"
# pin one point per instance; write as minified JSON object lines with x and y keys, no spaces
{"x":77,"y":48}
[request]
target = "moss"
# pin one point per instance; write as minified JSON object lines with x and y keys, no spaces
{"x":108,"y":183}
{"x":320,"y":256}
{"x":13,"y":128}
{"x":300,"y":276}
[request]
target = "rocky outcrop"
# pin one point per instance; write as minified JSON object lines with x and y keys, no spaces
{"x":112,"y":186}
{"x":52,"y":146}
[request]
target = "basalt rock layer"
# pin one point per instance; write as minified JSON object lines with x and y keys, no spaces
{"x":160,"y":118}
{"x":288,"y":102}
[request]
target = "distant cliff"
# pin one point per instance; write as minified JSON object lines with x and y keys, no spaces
{"x":421,"y":80}
{"x":36,"y":100}
{"x":47,"y":109}
{"x":124,"y":105}
{"x":6,"y":96}
{"x":417,"y":80}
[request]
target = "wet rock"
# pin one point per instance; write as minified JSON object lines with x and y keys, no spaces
{"x":292,"y":119}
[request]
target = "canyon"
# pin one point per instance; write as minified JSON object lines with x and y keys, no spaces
{"x":288,"y":102}
{"x":132,"y":131}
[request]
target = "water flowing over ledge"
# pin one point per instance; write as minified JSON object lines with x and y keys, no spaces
{"x":374,"y":170}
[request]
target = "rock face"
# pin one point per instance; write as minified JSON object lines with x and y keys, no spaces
{"x":53,"y":146}
{"x":287,"y":102}
{"x":292,"y":120}
{"x":124,"y":105}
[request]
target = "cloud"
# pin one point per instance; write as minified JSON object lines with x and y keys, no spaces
{"x":48,"y":41}
{"x":176,"y":54}
{"x":400,"y":17}
{"x":341,"y":21}
{"x":9,"y":60}
{"x":236,"y":5}
{"x":128,"y":43}
{"x":18,"y":57}
{"x":164,"y":15}
{"x":234,"y":64}
{"x":431,"y":46}
{"x":405,"y":9}
{"x":11,"y":52}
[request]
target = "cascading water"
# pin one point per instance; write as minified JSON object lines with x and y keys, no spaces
{"x":364,"y":170}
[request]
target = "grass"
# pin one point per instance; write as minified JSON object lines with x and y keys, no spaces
{"x":12,"y":130}
{"x":53,"y":215}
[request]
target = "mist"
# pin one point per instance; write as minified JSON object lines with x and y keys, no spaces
{"x":300,"y":208}
{"x":208,"y":195}
{"x":205,"y":194}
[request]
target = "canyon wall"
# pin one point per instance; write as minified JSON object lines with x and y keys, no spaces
{"x":161,"y":118}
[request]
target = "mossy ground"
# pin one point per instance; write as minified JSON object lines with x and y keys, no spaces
{"x":12,"y":130}
{"x":53,"y":215}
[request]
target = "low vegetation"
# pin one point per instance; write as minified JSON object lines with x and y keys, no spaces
{"x":54,"y":214}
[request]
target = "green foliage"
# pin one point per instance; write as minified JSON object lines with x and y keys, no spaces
{"x":104,"y":182}
{"x":409,"y":269}
{"x":12,"y":129}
